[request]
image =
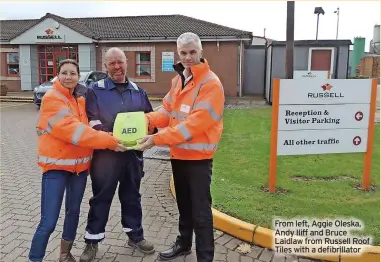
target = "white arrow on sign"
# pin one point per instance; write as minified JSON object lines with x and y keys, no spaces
{"x":359,"y":116}
{"x":356,"y":140}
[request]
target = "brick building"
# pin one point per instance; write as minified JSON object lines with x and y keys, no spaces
{"x":31,"y":49}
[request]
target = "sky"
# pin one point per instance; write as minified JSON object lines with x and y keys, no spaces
{"x":357,"y":19}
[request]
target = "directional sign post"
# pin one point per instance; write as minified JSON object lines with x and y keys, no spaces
{"x":322,"y":116}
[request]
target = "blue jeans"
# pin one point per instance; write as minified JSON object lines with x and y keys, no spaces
{"x":54,"y":183}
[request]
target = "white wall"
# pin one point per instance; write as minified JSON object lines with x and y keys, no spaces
{"x":86,"y":57}
{"x":25,"y":67}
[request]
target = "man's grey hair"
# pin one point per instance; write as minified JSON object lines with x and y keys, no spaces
{"x":188,"y":38}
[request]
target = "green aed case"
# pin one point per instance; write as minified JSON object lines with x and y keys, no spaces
{"x":130,"y":127}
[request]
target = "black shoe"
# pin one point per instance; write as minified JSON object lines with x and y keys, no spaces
{"x":175,"y":251}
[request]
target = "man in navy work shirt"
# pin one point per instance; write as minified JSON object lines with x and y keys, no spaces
{"x":104,"y":100}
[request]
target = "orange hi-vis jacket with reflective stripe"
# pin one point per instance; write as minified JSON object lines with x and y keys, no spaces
{"x":65,"y":140}
{"x":191,"y":116}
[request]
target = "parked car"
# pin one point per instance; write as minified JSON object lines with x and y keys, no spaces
{"x":85,"y":80}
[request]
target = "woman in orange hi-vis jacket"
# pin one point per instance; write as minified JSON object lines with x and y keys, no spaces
{"x":65,"y":148}
{"x":191,"y":118}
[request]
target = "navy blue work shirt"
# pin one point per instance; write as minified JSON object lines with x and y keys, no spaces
{"x":105,"y":99}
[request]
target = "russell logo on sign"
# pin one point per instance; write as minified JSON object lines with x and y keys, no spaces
{"x":49,"y":31}
{"x":49,"y":35}
{"x":327,"y":87}
{"x":310,"y":75}
{"x":326,"y":94}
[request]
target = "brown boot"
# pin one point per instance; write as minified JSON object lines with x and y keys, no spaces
{"x":144,"y":246}
{"x":89,"y":253}
{"x":65,"y":255}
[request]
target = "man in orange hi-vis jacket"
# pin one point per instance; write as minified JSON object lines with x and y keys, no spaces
{"x":191,"y":118}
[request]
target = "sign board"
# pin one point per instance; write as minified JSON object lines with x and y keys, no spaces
{"x":330,"y":91}
{"x":168,"y":59}
{"x":322,"y":116}
{"x":298,"y":117}
{"x":329,"y":104}
{"x":316,"y":74}
{"x":327,"y":141}
{"x":49,"y":35}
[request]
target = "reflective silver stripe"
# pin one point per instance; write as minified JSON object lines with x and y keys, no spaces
{"x":93,"y":123}
{"x":162,"y":110}
{"x":213,"y":114}
{"x":185,"y":131}
{"x":179,"y":115}
{"x":101,"y":83}
{"x":126,"y":229}
{"x":77,"y":134}
{"x":197,"y":146}
{"x":64,"y":162}
{"x":135,"y":86}
{"x":61,"y":114}
{"x":168,"y":98}
{"x":94,"y":236}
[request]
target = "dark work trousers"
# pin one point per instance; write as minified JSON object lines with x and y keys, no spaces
{"x":107,"y":169}
{"x":192,"y":180}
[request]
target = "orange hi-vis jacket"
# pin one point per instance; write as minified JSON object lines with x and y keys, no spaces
{"x":65,"y":140}
{"x":191,"y":116}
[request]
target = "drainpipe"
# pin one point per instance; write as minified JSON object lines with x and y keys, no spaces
{"x":240,"y":70}
{"x":336,"y":66}
{"x":346,"y":72}
{"x":265,"y":69}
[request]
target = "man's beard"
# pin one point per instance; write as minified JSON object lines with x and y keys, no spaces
{"x":119,"y":78}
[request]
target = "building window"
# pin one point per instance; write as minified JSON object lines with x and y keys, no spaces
{"x":13,"y":64}
{"x":143,"y":64}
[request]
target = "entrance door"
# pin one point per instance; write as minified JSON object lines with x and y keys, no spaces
{"x":321,"y":60}
{"x":254,"y":68}
{"x":49,"y":57}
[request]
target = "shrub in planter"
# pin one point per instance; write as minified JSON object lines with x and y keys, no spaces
{"x":3,"y":89}
{"x":358,"y":77}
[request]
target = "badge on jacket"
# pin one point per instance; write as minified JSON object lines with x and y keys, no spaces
{"x":185,"y":108}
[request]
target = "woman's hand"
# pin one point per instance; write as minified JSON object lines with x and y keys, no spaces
{"x":120,"y":148}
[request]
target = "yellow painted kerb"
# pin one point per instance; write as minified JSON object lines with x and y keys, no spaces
{"x":264,"y":237}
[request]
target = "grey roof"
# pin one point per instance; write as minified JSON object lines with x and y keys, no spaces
{"x":127,"y":27}
{"x":322,"y":43}
{"x":11,"y":28}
